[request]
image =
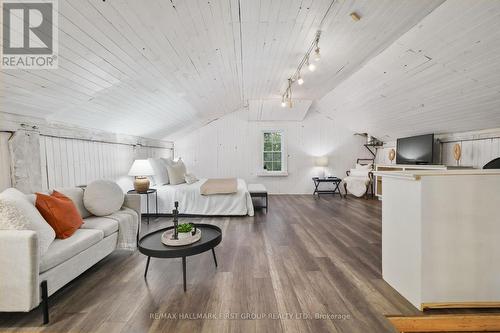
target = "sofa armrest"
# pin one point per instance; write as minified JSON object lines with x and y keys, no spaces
{"x":133,"y":201}
{"x":19,"y":270}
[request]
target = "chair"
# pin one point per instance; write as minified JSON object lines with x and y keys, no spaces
{"x":365,"y":179}
{"x":493,"y":164}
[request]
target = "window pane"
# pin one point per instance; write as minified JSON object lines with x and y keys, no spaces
{"x":268,"y":146}
{"x":268,"y":157}
{"x":267,"y":136}
{"x":277,"y":146}
{"x":276,"y":166}
{"x":276,"y":137}
{"x":268,"y":166}
{"x":276,"y":157}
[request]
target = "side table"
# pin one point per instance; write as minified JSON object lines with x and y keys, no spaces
{"x":147,"y":193}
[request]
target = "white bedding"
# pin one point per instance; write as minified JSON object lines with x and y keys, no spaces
{"x":192,"y":202}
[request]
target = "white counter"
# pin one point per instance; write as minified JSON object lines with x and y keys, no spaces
{"x":441,"y":236}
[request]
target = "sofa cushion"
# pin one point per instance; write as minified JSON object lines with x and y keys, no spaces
{"x":106,"y":224}
{"x":63,"y":249}
{"x":44,"y":231}
{"x":60,"y":212}
{"x":76,"y":195}
{"x":103,"y":197}
{"x":11,"y":217}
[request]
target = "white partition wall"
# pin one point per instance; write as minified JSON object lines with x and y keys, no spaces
{"x":71,"y":162}
{"x":4,"y":161}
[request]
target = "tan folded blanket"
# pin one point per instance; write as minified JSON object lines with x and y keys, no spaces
{"x":219,"y":186}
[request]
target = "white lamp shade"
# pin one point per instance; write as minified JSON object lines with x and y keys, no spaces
{"x":321,"y":161}
{"x":141,"y":168}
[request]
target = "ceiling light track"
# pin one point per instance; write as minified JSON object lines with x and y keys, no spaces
{"x":309,"y":62}
{"x":286,"y":97}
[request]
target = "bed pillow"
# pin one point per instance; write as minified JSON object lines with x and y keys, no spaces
{"x":160,"y":169}
{"x":45,"y":233}
{"x":103,"y":197}
{"x":60,"y":212}
{"x":176,"y":172}
{"x":190,"y":178}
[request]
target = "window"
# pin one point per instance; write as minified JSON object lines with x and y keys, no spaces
{"x":273,"y":152}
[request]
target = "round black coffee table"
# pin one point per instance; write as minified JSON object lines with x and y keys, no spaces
{"x":151,"y":246}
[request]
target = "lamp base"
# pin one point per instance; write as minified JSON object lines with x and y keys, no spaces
{"x":141,"y":184}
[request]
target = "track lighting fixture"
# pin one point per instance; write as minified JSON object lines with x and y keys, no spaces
{"x":286,"y":98}
{"x":311,"y":66}
{"x":317,"y":56}
{"x":300,"y":80}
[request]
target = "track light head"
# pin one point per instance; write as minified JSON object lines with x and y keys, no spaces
{"x":300,"y":80}
{"x":317,"y":55}
{"x":283,"y":103}
{"x":311,"y":66}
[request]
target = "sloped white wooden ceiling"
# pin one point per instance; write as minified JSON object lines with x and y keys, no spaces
{"x":442,"y":76}
{"x":152,"y":67}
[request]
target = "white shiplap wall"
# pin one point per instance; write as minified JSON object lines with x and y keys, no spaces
{"x":5,"y":180}
{"x":230,"y":147}
{"x":478,"y":148}
{"x":71,"y":162}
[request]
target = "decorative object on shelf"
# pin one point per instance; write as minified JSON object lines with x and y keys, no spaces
{"x":457,"y":153}
{"x":392,"y":155}
{"x":321,"y":161}
{"x":140,"y":170}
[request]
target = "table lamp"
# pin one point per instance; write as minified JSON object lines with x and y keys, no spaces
{"x":321,"y":161}
{"x":140,"y":170}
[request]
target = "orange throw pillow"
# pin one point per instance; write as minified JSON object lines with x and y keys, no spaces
{"x":60,"y":212}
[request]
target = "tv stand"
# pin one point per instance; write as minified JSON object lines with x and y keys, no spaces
{"x":401,"y":167}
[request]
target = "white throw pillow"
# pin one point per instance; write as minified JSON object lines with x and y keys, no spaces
{"x":11,"y":217}
{"x":359,"y":173}
{"x":176,"y":172}
{"x":364,"y":167}
{"x":160,"y":169}
{"x":103,"y":197}
{"x":37,"y":223}
{"x":190,"y":178}
{"x":76,"y":195}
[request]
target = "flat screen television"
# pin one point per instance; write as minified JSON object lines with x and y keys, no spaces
{"x":415,"y":150}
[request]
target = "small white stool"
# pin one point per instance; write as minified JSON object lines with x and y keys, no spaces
{"x":259,"y":191}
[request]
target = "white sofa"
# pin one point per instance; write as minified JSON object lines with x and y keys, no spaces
{"x":28,"y":279}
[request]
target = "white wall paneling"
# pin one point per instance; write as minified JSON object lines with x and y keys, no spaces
{"x":230,"y":147}
{"x":5,"y":179}
{"x":70,"y":162}
{"x":478,"y":148}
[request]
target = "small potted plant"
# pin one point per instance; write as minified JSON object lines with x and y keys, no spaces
{"x":184,"y":230}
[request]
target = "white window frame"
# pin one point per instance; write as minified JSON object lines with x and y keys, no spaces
{"x":284,"y":157}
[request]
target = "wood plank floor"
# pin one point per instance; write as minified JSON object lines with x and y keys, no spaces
{"x":307,"y":257}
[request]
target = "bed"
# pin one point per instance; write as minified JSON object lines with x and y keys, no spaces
{"x":192,"y":202}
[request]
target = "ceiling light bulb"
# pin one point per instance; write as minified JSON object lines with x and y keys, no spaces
{"x":283,"y":104}
{"x":317,"y":56}
{"x":311,"y":66}
{"x":300,"y":81}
